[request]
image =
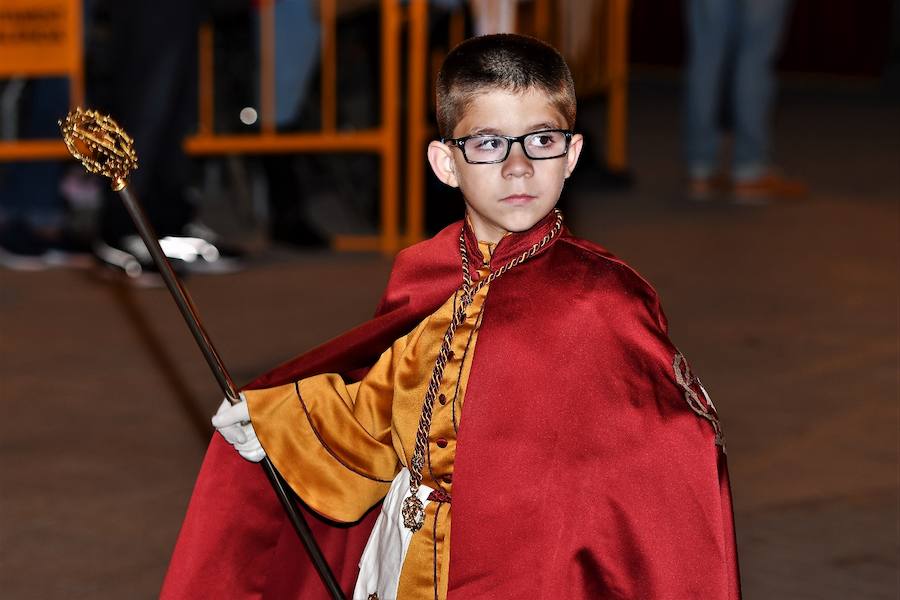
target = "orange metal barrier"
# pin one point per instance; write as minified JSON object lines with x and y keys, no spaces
{"x":380,"y":140}
{"x":41,"y":38}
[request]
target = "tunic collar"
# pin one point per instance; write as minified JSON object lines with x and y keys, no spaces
{"x":510,"y":245}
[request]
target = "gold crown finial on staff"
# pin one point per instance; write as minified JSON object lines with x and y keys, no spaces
{"x":100,"y":144}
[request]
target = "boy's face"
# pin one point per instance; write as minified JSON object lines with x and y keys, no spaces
{"x":516,"y":194}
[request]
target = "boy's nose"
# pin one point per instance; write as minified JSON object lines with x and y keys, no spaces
{"x":517,"y":164}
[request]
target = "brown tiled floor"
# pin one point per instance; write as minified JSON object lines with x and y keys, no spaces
{"x":787,"y":311}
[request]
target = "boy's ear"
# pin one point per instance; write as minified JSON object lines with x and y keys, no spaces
{"x":440,"y":156}
{"x":573,"y":153}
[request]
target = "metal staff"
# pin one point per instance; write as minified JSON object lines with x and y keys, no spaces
{"x":104,"y":148}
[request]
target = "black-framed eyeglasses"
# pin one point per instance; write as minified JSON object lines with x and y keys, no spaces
{"x":484,"y":149}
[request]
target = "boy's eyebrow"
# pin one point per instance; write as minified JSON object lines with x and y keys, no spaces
{"x":544,"y":125}
{"x":485,"y":131}
{"x":535,"y":127}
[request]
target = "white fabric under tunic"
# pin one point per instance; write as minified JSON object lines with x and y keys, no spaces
{"x":379,"y":567}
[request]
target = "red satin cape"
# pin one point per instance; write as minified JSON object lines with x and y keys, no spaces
{"x":581,"y":470}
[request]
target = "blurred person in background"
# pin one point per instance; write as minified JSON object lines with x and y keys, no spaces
{"x":299,"y":184}
{"x":34,"y":214}
{"x":732,"y":47}
{"x":143,"y":72}
{"x":494,"y":16}
{"x":297,"y":39}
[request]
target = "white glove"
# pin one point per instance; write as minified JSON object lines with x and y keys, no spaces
{"x":233,"y":422}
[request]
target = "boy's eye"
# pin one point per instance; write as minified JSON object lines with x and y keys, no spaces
{"x":488,"y":144}
{"x":542,"y":140}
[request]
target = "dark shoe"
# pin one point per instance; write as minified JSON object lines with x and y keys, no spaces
{"x":68,"y":250}
{"x":25,"y":248}
{"x":298,"y":233}
{"x":21,"y":249}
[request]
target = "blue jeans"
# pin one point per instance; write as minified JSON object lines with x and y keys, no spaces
{"x":731,"y":43}
{"x":296,"y":50}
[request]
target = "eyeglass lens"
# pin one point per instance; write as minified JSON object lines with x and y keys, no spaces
{"x":491,"y":148}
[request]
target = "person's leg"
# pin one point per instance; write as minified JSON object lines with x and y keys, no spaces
{"x":33,"y":214}
{"x":30,"y":197}
{"x":761,"y":24}
{"x":152,"y":100}
{"x":297,"y":38}
{"x":709,"y":25}
{"x":29,"y":191}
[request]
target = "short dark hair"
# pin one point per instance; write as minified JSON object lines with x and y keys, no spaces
{"x":504,"y":61}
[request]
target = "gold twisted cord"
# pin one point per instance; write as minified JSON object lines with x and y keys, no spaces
{"x":468,"y":294}
{"x":464,"y":255}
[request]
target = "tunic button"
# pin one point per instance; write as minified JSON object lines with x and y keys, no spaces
{"x":450,"y":355}
{"x":476,"y":276}
{"x":447,"y":479}
{"x":442,"y":399}
{"x":441,"y":442}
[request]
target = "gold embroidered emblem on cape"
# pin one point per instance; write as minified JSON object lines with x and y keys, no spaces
{"x":697,"y":398}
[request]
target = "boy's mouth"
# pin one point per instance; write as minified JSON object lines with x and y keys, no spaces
{"x":518,"y":199}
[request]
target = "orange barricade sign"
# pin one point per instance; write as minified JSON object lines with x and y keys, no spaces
{"x":39,"y":38}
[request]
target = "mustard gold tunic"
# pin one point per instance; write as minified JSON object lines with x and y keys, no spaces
{"x":340,"y":445}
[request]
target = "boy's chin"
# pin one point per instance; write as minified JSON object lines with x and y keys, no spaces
{"x":515,"y":222}
{"x":519,"y":223}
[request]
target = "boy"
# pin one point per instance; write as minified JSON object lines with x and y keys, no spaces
{"x":589,"y":462}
